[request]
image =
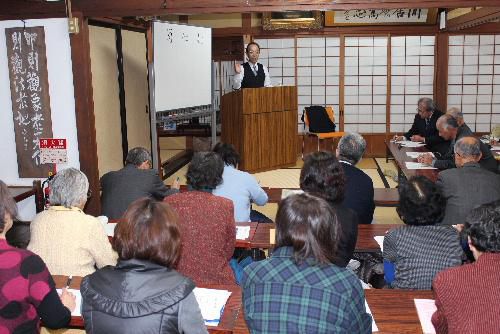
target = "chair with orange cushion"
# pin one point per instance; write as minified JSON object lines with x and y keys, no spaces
{"x":314,"y":138}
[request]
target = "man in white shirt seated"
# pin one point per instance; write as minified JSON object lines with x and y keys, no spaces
{"x":240,"y":187}
{"x":251,"y":74}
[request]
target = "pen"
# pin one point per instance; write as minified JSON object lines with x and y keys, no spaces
{"x":68,"y":282}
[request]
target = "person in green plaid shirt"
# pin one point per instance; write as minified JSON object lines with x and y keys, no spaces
{"x":298,"y":289}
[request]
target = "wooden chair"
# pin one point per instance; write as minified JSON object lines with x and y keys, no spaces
{"x":326,"y":141}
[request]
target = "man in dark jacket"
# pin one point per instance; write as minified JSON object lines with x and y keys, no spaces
{"x":358,"y":193}
{"x":468,"y":185}
{"x":424,"y":127}
{"x":135,"y":180}
{"x":450,"y":130}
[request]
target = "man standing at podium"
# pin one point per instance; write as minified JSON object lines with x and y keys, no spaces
{"x":251,"y":74}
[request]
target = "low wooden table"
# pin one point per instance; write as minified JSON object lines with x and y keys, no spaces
{"x":232,"y":310}
{"x":399,"y":154}
{"x":365,"y":241}
{"x":382,"y":196}
{"x":394,"y":310}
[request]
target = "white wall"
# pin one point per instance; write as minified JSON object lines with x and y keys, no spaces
{"x":62,"y":102}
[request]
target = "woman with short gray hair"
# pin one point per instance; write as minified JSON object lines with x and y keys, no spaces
{"x":69,"y":241}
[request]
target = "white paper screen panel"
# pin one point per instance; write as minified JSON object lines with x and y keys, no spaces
{"x":182,"y":66}
{"x":412,"y":77}
{"x":318,"y":73}
{"x":365,"y":84}
{"x":279,"y":57}
{"x":474,"y":79}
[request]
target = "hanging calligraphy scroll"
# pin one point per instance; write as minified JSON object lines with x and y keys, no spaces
{"x":29,"y":88}
{"x":381,"y":16}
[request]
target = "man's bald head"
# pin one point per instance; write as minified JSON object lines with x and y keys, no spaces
{"x":467,"y":149}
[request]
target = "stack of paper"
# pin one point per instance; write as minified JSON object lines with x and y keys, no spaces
{"x":380,"y":241}
{"x":415,"y":155}
{"x":242,"y":232}
{"x":495,"y":148}
{"x":78,"y":309}
{"x":425,"y":310}
{"x":211,"y":303}
{"x":374,"y":325}
{"x":287,"y":192}
{"x":417,"y":165}
{"x":409,"y":143}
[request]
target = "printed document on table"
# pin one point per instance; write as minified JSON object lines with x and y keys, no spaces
{"x":380,"y":241}
{"x":242,"y":232}
{"x":409,"y":143}
{"x":374,"y":325}
{"x":415,"y":155}
{"x":425,"y":310}
{"x":78,"y":309}
{"x":417,"y":165}
{"x":211,"y":302}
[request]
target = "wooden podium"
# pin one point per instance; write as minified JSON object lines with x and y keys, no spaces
{"x":261,"y":123}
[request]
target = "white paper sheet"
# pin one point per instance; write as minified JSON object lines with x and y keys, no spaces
{"x":417,"y":165}
{"x":78,"y":309}
{"x":211,"y":302}
{"x":425,"y":309}
{"x":110,"y":229}
{"x":287,"y":192}
{"x":409,"y":143}
{"x":380,"y":241}
{"x":374,"y":325}
{"x":495,"y":148}
{"x":242,"y":232}
{"x":415,"y":155}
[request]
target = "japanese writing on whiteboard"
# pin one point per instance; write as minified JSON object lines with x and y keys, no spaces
{"x":29,"y":95}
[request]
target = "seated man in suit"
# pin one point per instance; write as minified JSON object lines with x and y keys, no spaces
{"x":251,"y":74}
{"x":135,"y":180}
{"x":450,"y":130}
{"x":424,"y":127}
{"x":358,"y":194}
{"x":468,"y":185}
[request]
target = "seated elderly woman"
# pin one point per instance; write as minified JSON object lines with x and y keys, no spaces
{"x":143,"y":294}
{"x":420,"y":250}
{"x":68,"y":240}
{"x":27,"y":291}
{"x":299,"y":289}
{"x":468,"y":297}
{"x":206,"y":221}
{"x":322,"y":175}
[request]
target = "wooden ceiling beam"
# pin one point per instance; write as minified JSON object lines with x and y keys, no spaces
{"x":474,"y":18}
{"x":118,"y":8}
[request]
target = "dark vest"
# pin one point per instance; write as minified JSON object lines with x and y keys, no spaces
{"x":251,"y":80}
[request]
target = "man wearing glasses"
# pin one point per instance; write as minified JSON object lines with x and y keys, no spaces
{"x":251,"y":74}
{"x":135,"y":180}
{"x":424,"y":127}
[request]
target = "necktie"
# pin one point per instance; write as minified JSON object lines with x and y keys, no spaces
{"x":427,"y":123}
{"x":254,"y":69}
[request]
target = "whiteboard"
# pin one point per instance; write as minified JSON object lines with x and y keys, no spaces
{"x":182,"y":66}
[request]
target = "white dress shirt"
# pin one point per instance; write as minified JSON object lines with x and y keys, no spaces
{"x":238,"y":77}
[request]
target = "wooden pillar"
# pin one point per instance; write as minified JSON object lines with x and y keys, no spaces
{"x":441,"y":72}
{"x":84,"y":108}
